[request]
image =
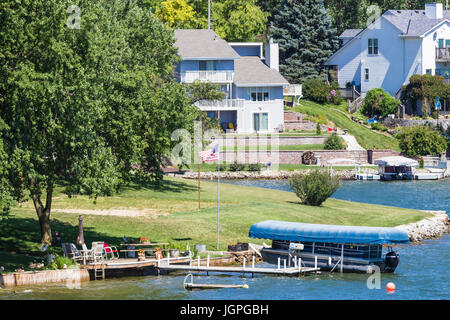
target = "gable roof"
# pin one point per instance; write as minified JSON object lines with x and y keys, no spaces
{"x":202,"y":44}
{"x":410,"y":23}
{"x":413,"y":23}
{"x":252,"y":71}
{"x":349,"y":33}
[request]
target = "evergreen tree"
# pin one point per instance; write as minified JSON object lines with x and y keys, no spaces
{"x":304,"y":32}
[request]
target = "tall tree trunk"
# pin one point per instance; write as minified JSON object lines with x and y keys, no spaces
{"x":43,"y":213}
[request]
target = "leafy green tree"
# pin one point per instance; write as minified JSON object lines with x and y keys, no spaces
{"x":6,"y":199}
{"x":177,"y":14}
{"x":315,"y":187}
{"x":238,"y":20}
{"x":425,"y":88}
{"x":379,"y":102}
{"x":421,"y":141}
{"x":88,"y":103}
{"x":306,"y":36}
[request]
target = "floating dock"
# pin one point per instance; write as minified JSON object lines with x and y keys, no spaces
{"x":367,"y":176}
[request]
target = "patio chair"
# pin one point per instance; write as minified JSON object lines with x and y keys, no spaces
{"x":107,"y":251}
{"x":71,"y":251}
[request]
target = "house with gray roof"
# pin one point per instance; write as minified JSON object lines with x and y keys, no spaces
{"x":252,"y":82}
{"x":397,"y":45}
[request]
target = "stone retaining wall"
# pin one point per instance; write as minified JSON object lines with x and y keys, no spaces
{"x":70,"y":276}
{"x":393,"y":123}
{"x":268,"y":140}
{"x":295,"y":157}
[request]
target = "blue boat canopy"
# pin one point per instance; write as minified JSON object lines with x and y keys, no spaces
{"x":306,"y":232}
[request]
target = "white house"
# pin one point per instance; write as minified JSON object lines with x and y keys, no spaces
{"x":252,"y":82}
{"x":399,"y":44}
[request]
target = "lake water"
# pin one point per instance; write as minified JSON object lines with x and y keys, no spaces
{"x":421,"y":274}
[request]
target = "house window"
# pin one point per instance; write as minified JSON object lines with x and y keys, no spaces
{"x":366,"y":74}
{"x":207,"y":65}
{"x":260,"y":121}
{"x":428,"y":71}
{"x":373,"y":46}
{"x":258,"y":94}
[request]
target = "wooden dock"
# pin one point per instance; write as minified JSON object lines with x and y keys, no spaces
{"x":249,"y":270}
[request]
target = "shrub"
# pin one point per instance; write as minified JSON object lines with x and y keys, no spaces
{"x":314,"y":188}
{"x":317,"y":90}
{"x":334,"y":142}
{"x":255,"y":167}
{"x":318,"y":129}
{"x":237,"y":166}
{"x":380,"y":103}
{"x":421,"y":141}
{"x":421,"y":163}
{"x":61,"y":263}
{"x":378,"y":126}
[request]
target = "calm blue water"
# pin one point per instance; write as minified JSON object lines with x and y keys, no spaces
{"x":416,"y":194}
{"x":421,"y":274}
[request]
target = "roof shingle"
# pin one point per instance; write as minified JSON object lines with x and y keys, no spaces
{"x":202,"y":44}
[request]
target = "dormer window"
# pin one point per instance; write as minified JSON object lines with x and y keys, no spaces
{"x":373,"y":46}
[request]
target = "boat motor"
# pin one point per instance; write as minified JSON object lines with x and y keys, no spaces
{"x":391,"y":261}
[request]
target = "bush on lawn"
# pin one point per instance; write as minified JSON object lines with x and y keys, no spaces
{"x":314,"y":188}
{"x":334,"y":142}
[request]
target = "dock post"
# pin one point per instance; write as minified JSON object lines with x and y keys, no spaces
{"x":168,"y":258}
{"x":198,"y":261}
{"x":299,"y":264}
{"x":315,"y":262}
{"x":253,"y":262}
{"x":244,"y":263}
{"x":278,"y":263}
{"x":207,"y":261}
{"x":284,"y":263}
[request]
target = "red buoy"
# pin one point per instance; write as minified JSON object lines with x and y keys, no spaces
{"x":390,"y":287}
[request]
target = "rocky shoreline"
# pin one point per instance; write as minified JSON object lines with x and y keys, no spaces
{"x":267,"y":174}
{"x":429,"y":228}
{"x":278,"y":175}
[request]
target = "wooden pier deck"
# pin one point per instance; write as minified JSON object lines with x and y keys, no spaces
{"x":253,"y":270}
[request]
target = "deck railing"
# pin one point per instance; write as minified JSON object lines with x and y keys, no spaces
{"x":212,"y":76}
{"x":443,"y":54}
{"x":220,"y":104}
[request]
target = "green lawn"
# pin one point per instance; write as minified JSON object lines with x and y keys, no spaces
{"x":367,"y":138}
{"x":180,"y":221}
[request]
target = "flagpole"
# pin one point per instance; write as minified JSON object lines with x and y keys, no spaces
{"x":199,"y":183}
{"x":218,"y":193}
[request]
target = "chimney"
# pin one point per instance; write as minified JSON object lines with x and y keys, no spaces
{"x":434,"y":10}
{"x":272,"y":55}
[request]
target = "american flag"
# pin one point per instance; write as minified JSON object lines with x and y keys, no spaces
{"x":210,"y":155}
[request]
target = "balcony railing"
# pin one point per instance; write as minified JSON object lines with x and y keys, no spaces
{"x":212,"y":76}
{"x":443,"y":54}
{"x":226,"y":104}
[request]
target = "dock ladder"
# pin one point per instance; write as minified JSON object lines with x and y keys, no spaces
{"x":99,"y":272}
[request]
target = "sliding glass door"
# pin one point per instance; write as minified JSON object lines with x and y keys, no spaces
{"x":260,"y":121}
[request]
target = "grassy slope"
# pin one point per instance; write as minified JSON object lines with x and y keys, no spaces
{"x":365,"y":137}
{"x":240,"y":207}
